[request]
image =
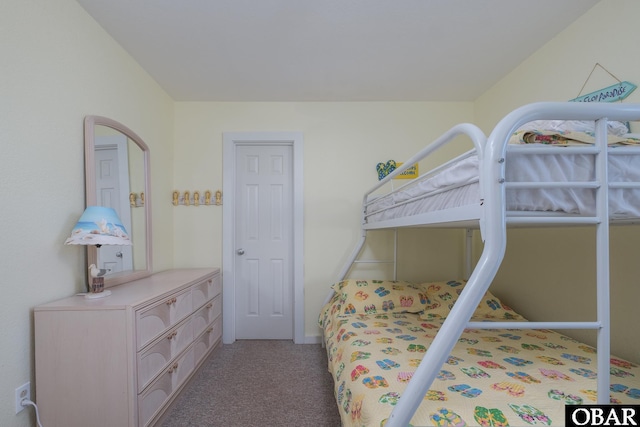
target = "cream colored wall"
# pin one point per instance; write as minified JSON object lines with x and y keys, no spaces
{"x":342,"y":144}
{"x":57,"y":66}
{"x":540,"y":263}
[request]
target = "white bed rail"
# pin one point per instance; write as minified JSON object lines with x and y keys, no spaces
{"x":494,"y":220}
{"x":472,"y":131}
{"x":477,"y":137}
{"x":470,"y":216}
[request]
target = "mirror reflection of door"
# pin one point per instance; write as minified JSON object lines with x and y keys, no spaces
{"x":112,"y":190}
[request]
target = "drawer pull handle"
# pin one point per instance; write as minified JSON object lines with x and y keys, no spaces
{"x":172,"y":334}
{"x":209,"y":305}
{"x":171,"y":301}
{"x":210,"y":281}
{"x":209,"y":330}
{"x":173,"y":368}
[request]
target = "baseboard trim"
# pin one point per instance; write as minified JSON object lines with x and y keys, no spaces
{"x":312,"y":339}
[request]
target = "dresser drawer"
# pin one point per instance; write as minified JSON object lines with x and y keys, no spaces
{"x":200,"y":293}
{"x":204,"y":291}
{"x":207,"y":340}
{"x":203,"y":317}
{"x":158,"y":355}
{"x":215,"y":287}
{"x":152,"y":400}
{"x":216,"y":331}
{"x":154,"y":320}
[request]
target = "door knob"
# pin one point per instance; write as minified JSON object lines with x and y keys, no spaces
{"x":119,"y":254}
{"x":240,"y":251}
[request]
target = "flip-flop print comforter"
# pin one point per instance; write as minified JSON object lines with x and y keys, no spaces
{"x":492,"y":378}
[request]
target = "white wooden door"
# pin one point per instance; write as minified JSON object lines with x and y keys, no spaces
{"x":264,"y":241}
{"x":112,"y":190}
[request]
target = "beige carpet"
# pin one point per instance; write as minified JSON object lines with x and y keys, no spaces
{"x":262,"y":384}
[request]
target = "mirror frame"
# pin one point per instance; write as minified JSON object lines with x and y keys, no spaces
{"x":90,"y":122}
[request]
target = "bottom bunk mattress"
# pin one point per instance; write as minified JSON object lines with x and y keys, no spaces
{"x":376,"y":333}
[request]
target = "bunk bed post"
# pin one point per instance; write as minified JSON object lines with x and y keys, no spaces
{"x":395,"y":254}
{"x":602,"y":264}
{"x":468,"y":253}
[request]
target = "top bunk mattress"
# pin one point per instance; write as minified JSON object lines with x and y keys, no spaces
{"x":457,"y":185}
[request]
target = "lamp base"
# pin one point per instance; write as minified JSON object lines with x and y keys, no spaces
{"x":94,"y":295}
{"x":97,"y":289}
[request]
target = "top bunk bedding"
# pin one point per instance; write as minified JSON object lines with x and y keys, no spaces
{"x":538,"y":152}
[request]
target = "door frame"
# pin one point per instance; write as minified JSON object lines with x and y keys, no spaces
{"x":230,"y":140}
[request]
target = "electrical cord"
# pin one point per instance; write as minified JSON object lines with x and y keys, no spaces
{"x":25,"y":402}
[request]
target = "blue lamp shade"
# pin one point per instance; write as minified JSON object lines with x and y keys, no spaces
{"x":99,"y":226}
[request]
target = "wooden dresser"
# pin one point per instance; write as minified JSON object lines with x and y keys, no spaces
{"x":121,"y":360}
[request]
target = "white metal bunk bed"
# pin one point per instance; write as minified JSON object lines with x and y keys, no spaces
{"x":489,"y":211}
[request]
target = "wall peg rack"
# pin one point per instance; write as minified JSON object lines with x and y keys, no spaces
{"x":197,"y":198}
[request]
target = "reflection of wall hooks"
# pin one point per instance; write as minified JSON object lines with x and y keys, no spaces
{"x":196,"y":199}
{"x":136,"y":201}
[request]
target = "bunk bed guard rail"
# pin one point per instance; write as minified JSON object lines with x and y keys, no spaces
{"x":478,"y":139}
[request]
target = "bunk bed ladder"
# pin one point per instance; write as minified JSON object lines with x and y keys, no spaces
{"x":601,"y":222}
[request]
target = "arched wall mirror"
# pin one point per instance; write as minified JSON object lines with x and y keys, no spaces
{"x":117,"y":175}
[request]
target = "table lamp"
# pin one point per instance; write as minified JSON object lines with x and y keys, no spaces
{"x":98,"y":226}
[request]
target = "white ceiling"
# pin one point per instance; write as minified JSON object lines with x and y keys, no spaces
{"x":332,"y":50}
